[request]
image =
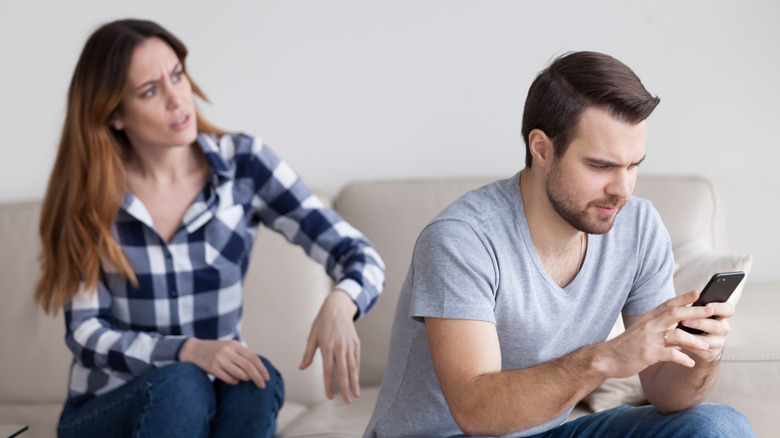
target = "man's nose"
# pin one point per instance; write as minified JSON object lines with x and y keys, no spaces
{"x":622,"y":184}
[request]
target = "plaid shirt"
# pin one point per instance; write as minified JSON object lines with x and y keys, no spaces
{"x":192,"y":286}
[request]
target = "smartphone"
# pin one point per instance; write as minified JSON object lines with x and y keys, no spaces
{"x":718,"y":290}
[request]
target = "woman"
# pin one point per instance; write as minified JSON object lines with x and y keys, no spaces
{"x":147,"y":227}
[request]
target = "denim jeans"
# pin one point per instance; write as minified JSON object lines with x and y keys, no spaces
{"x":178,"y":400}
{"x":704,"y":420}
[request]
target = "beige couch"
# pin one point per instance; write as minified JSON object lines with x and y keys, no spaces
{"x":284,"y":290}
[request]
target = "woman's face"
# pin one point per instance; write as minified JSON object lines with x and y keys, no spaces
{"x":157,"y":109}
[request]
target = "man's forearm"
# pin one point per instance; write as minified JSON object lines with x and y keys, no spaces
{"x":671,"y":387}
{"x":503,"y":402}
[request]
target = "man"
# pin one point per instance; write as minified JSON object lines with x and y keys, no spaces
{"x":513,"y":289}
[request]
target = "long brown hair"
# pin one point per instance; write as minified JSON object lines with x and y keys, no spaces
{"x":87,"y":183}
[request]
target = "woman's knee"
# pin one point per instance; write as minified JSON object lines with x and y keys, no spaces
{"x":272,"y":395}
{"x":182,"y":382}
{"x":275,"y":382}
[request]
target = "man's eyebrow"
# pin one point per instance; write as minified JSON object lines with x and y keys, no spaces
{"x":607,"y":163}
{"x":154,"y":81}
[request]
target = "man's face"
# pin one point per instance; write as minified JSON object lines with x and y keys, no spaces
{"x":596,"y":175}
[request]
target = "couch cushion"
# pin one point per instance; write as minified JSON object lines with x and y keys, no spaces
{"x":695,"y":263}
{"x":689,"y":206}
{"x":749,"y":377}
{"x":42,"y":418}
{"x":335,"y":418}
{"x":33,"y":344}
{"x":283,"y":292}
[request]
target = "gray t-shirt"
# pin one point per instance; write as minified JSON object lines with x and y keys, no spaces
{"x":476,"y":260}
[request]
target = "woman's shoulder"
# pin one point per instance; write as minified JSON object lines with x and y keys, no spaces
{"x":233,"y":147}
{"x":229,"y":145}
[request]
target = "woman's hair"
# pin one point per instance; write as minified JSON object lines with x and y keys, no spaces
{"x":87,"y":184}
{"x":575,"y":81}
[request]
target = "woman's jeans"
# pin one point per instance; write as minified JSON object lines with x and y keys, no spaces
{"x":178,"y":400}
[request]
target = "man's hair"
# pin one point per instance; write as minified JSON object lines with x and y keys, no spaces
{"x":574,"y":82}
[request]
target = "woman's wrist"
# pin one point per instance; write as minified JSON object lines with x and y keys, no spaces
{"x":341,"y":302}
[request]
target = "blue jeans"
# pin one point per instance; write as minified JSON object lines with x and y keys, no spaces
{"x":704,"y":420}
{"x":178,"y":400}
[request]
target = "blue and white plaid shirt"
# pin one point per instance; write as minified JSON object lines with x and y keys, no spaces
{"x":192,"y":286}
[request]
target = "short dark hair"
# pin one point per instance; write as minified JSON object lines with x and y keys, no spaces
{"x":576,"y":81}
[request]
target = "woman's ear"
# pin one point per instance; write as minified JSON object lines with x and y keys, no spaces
{"x":115,"y":121}
{"x":541,"y":148}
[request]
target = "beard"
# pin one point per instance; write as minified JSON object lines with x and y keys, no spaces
{"x":566,"y":205}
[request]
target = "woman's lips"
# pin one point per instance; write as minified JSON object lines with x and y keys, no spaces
{"x":180,"y":123}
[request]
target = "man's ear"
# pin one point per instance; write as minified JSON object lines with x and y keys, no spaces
{"x":541,"y":148}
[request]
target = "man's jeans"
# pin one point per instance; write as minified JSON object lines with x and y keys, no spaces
{"x":178,"y":400}
{"x":704,"y":420}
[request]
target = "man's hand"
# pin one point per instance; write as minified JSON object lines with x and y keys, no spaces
{"x":333,"y":332}
{"x":228,"y":361}
{"x":654,"y":345}
{"x":653,"y":337}
{"x":715,"y":332}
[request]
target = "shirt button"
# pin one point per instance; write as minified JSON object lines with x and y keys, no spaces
{"x":173,"y":294}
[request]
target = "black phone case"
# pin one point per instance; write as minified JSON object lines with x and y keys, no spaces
{"x":718,"y":290}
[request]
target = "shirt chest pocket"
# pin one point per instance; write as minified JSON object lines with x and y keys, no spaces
{"x":226,"y":236}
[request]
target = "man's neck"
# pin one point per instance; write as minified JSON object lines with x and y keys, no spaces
{"x":551,"y":233}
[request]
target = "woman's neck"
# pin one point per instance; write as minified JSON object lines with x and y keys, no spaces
{"x":164,"y":165}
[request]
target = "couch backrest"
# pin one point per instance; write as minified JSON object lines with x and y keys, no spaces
{"x":284,"y":289}
{"x":392,"y":213}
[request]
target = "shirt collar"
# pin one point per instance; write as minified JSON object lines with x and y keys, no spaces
{"x":221,"y":171}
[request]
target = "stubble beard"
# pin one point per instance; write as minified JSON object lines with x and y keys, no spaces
{"x":565,"y":204}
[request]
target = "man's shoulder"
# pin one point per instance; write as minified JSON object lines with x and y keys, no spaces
{"x":639,"y":212}
{"x":482,"y":205}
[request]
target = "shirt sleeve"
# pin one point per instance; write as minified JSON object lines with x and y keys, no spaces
{"x":96,"y":343}
{"x":285,"y":204}
{"x":454,"y":274}
{"x":654,"y":280}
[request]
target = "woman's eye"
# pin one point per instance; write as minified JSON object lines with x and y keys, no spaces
{"x":177,"y":76}
{"x":149,"y":93}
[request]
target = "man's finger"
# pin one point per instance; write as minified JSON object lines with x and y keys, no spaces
{"x":678,"y":301}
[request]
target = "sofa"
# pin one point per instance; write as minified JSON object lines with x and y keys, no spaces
{"x":284,"y":290}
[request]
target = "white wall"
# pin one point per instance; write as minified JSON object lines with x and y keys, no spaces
{"x":361,"y":89}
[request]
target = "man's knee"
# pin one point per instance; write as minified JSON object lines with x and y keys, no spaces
{"x":716,"y":420}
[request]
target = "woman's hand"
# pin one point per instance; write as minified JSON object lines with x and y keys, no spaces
{"x":333,"y":332}
{"x":228,"y":361}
